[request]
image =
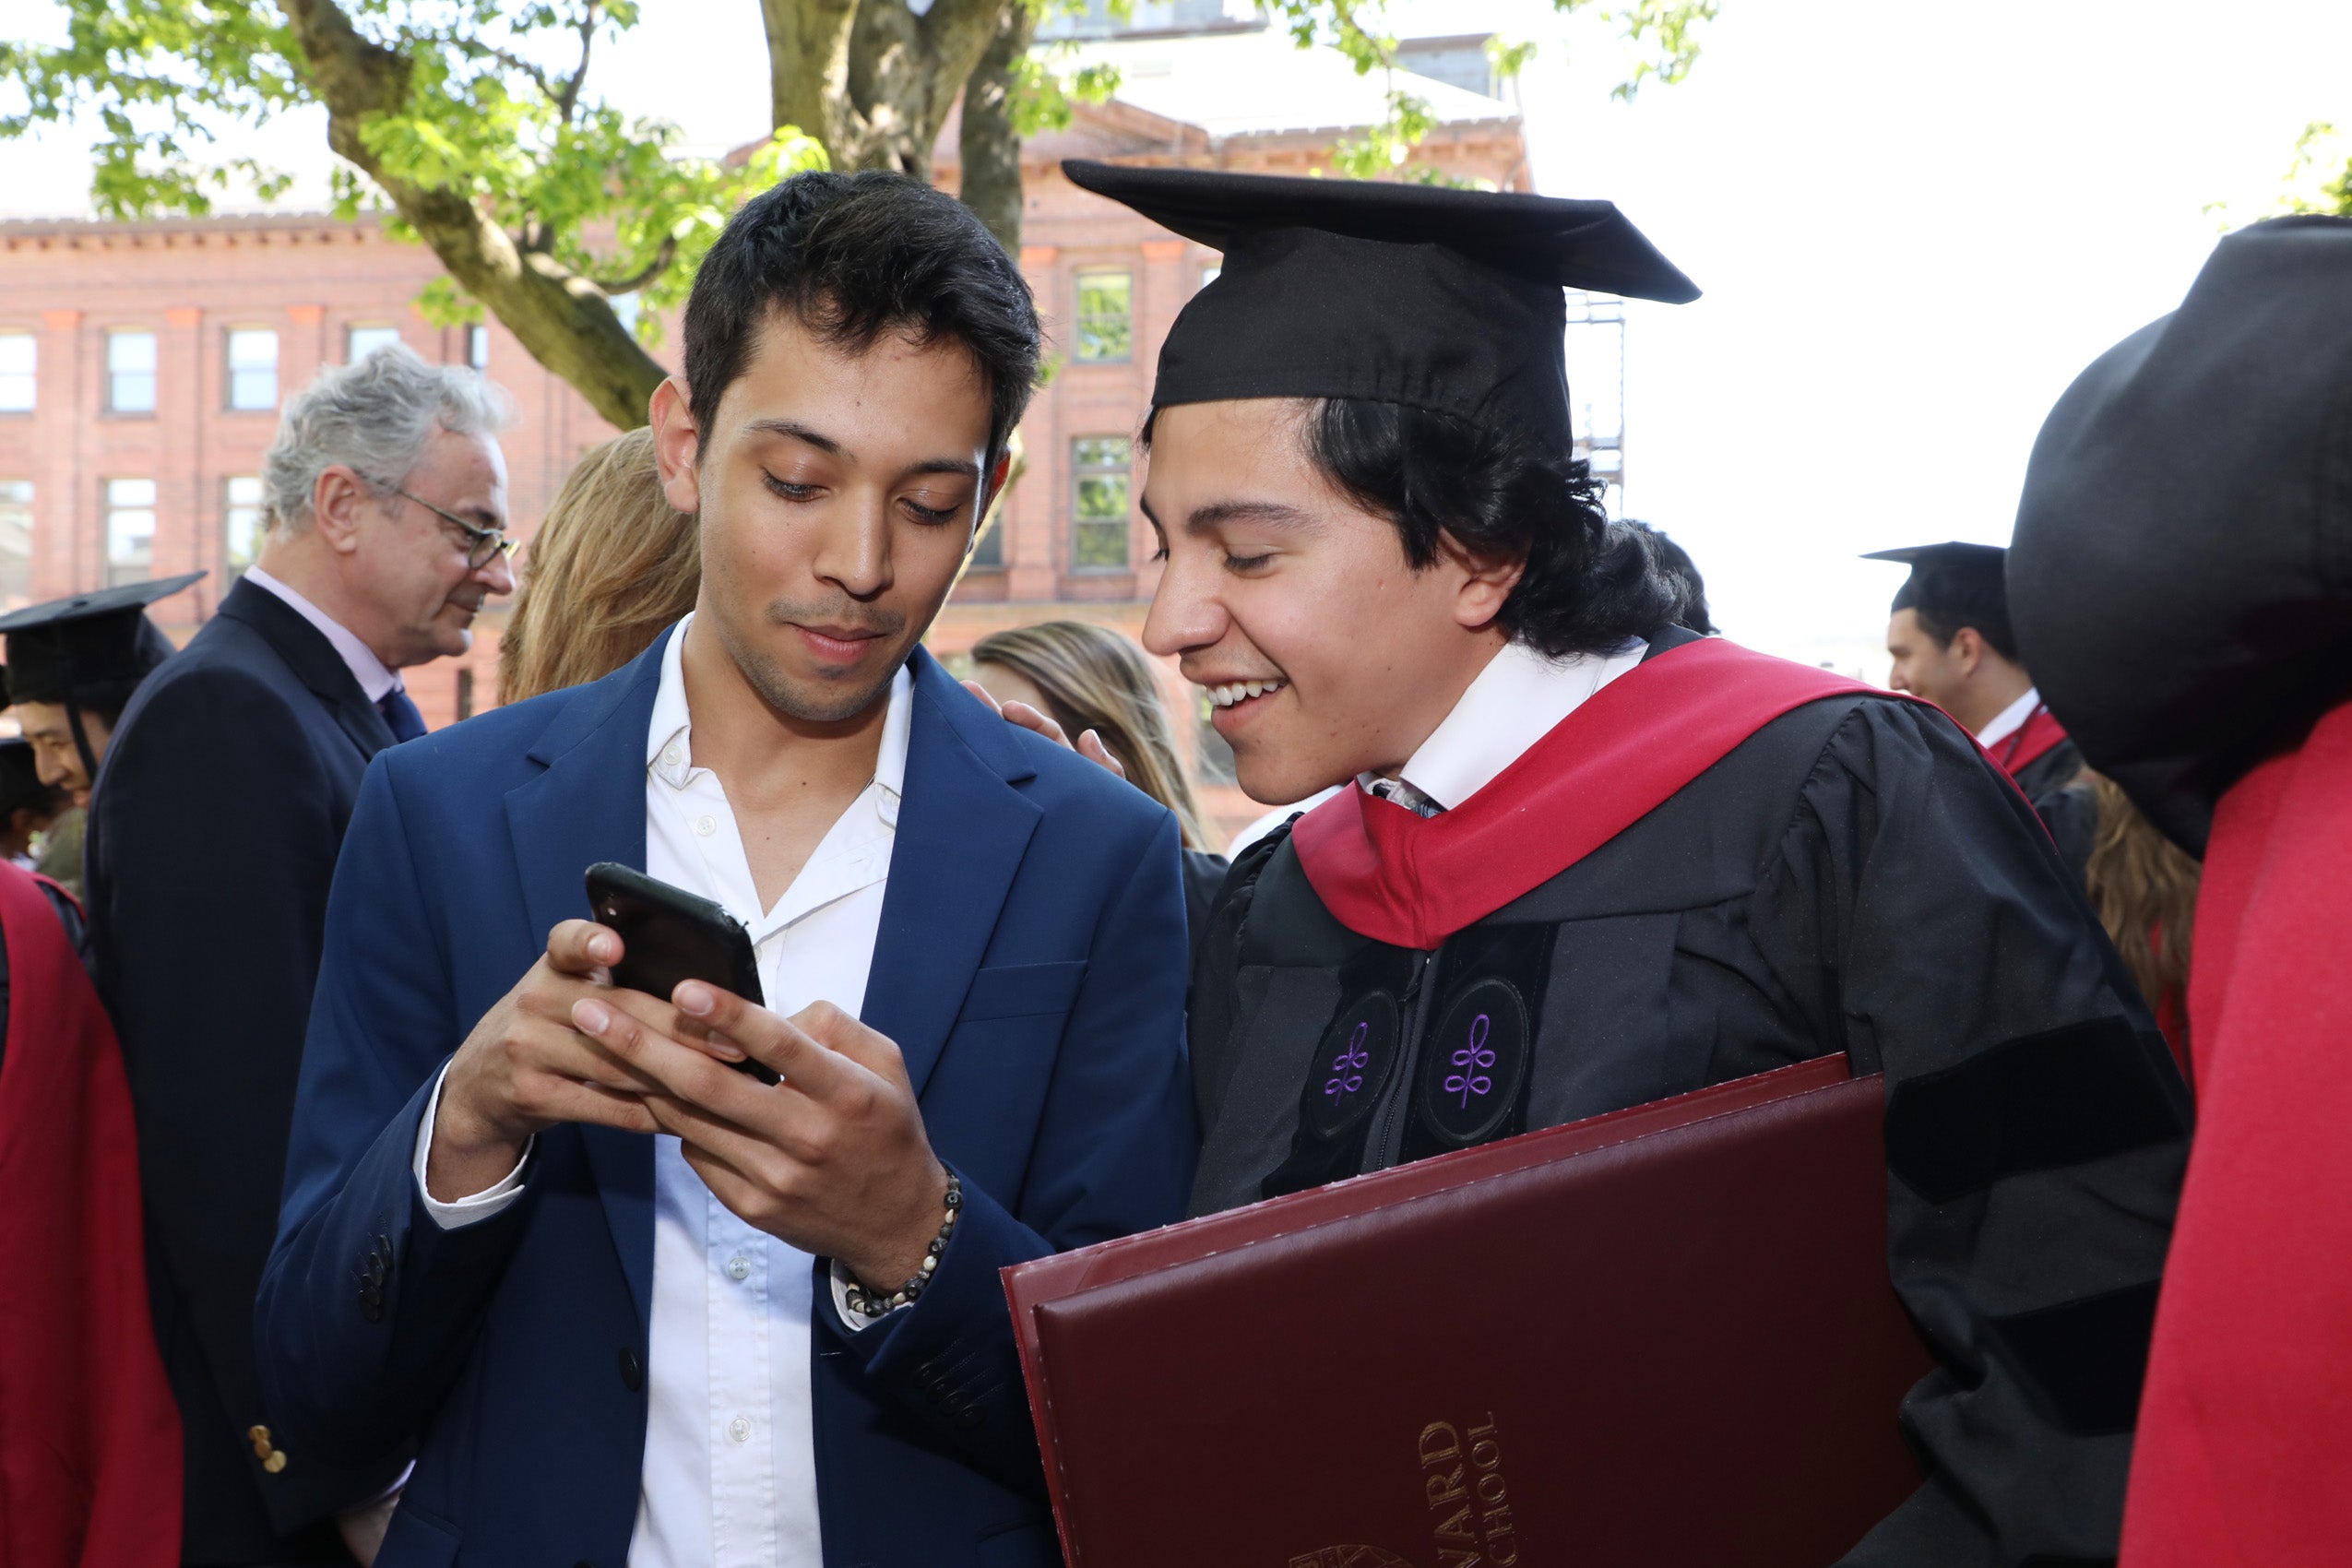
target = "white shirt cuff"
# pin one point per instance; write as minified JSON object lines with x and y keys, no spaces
{"x":850,"y":1317}
{"x":482,"y":1204}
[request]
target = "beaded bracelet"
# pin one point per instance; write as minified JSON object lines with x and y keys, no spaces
{"x":867,"y":1302}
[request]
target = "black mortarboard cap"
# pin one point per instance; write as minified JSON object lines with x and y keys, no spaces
{"x":2181,"y":572}
{"x":74,"y":645}
{"x":1956,"y":585}
{"x":1420,"y":296}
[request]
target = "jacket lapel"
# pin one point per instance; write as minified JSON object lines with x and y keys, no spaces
{"x":962,"y":830}
{"x":313,"y":661}
{"x":587,"y":806}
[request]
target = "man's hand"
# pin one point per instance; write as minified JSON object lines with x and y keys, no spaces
{"x":834,"y":1159}
{"x":526,"y":1067}
{"x":1089,"y":746}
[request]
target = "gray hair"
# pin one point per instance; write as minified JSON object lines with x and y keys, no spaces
{"x":374,"y":418}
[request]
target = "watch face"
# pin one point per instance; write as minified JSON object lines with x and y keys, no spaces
{"x":1358,"y":1052}
{"x":1474,"y":1063}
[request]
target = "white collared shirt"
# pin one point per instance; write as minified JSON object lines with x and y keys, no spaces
{"x":2010,"y":719}
{"x":730,"y":1472}
{"x":375,"y":678}
{"x":1516,"y":701}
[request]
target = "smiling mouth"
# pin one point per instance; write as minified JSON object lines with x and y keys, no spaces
{"x":1234,"y":694}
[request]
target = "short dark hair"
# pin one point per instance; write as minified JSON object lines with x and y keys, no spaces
{"x":1944,"y":598}
{"x":1589,"y":585}
{"x":853,"y":256}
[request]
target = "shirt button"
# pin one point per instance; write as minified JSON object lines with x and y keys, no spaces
{"x":739,"y":1430}
{"x":706,"y":826}
{"x":738,"y":1267}
{"x":671,"y":756}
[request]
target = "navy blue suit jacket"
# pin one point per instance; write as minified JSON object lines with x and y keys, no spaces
{"x":1029,"y":965}
{"x":213,"y":836}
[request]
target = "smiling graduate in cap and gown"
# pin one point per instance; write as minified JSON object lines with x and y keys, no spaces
{"x":1601,"y":860}
{"x":89,"y":1436}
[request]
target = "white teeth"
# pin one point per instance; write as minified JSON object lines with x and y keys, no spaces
{"x":1242,"y":691}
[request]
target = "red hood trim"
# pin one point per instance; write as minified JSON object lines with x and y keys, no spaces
{"x":1386,"y":874}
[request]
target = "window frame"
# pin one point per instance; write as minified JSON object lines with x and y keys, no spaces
{"x":18,"y":496}
{"x":230,"y":568}
{"x":351,"y":329}
{"x":119,"y":572}
{"x":31,"y":373}
{"x":153,"y":373}
{"x":231,"y":372}
{"x":1082,"y":523}
{"x":1080,"y":317}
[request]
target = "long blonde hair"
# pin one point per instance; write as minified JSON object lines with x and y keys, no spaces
{"x":612,"y":564}
{"x":1094,"y":679}
{"x":2144,"y":888}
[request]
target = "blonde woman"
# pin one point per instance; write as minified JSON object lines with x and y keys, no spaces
{"x":1099,"y":690}
{"x":612,"y":564}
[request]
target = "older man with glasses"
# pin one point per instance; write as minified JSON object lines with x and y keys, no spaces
{"x":213,"y":836}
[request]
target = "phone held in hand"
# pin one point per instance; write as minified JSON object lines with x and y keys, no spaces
{"x":668,"y":934}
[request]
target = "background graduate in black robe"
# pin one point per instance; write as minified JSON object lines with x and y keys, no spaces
{"x":1592,"y":860}
{"x":1949,"y":636}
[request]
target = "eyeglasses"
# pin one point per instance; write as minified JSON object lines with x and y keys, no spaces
{"x":481,"y":543}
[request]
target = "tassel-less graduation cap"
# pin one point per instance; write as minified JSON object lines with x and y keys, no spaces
{"x":1956,"y":585}
{"x":20,"y":782}
{"x":1439,"y":298}
{"x":69,"y":650}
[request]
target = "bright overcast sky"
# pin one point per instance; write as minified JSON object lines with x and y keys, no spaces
{"x":1913,"y":221}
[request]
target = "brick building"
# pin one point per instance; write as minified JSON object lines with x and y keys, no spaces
{"x":142,"y":365}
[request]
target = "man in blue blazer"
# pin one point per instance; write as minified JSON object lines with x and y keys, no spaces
{"x":631,"y":1305}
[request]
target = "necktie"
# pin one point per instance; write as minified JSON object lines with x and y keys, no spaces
{"x":401,"y":714}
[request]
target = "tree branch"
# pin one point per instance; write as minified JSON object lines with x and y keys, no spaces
{"x":562,"y":319}
{"x":570,"y":101}
{"x":644,"y":274}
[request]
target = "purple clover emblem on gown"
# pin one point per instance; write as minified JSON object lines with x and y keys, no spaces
{"x":1475,"y":1062}
{"x":1347,"y":1068}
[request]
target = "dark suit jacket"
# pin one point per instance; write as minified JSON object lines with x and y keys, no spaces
{"x":1031,"y":966}
{"x":213,"y":832}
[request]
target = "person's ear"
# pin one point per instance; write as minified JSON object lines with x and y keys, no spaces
{"x":1967,"y":651}
{"x":335,"y":503}
{"x":677,"y":445}
{"x":1486,"y":583}
{"x":993,"y":493}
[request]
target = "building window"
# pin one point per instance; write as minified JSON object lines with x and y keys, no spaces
{"x":988,"y":550}
{"x":477,"y":348}
{"x":130,"y":373}
{"x":361,"y":341}
{"x":464,"y":694}
{"x":241,"y":524}
{"x":16,"y":362}
{"x":130,"y":530}
{"x":253,"y":369}
{"x":1106,"y":317}
{"x":1099,"y":509}
{"x":16,"y":543}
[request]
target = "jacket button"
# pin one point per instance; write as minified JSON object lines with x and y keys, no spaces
{"x":276,"y":1462}
{"x":632,"y":1369}
{"x":969,"y":1416}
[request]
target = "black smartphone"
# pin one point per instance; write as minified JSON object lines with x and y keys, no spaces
{"x":668,"y":934}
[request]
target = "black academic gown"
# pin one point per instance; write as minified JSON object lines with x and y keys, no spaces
{"x":2054,"y":783}
{"x":1855,"y":876}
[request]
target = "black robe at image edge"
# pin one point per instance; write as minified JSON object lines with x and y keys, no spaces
{"x":1855,"y":876}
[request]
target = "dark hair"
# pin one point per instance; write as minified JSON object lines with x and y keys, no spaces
{"x":1945,"y":598}
{"x":1673,"y":562}
{"x":853,"y":256}
{"x":1587,"y":587}
{"x":106,"y":699}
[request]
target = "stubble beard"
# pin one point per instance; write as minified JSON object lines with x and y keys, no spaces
{"x":813,"y":702}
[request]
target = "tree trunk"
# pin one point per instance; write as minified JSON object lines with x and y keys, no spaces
{"x":870,"y":78}
{"x":989,"y":146}
{"x":562,"y":319}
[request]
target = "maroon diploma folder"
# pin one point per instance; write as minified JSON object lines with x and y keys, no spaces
{"x":1663,"y":1338}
